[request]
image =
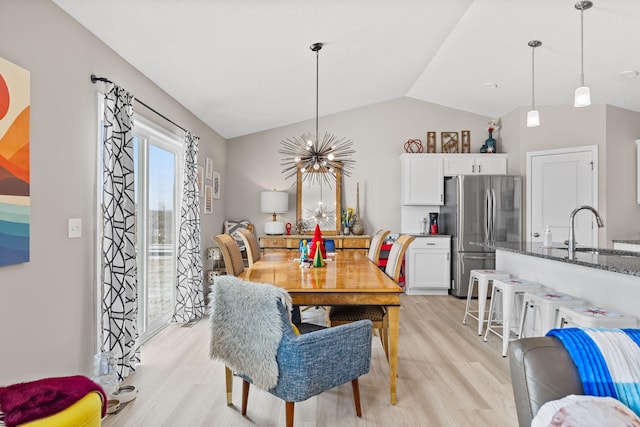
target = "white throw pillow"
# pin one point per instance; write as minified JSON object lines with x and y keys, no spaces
{"x":585,"y":411}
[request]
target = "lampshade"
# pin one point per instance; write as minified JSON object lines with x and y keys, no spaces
{"x":274,"y":202}
{"x":533,"y":118}
{"x":582,"y":97}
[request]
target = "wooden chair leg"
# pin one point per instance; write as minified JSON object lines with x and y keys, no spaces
{"x":245,"y":396}
{"x":384,"y":338}
{"x":356,"y":396}
{"x":289,"y":413}
{"x":228,"y":377}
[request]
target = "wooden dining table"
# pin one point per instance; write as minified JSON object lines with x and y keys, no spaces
{"x":348,"y":278}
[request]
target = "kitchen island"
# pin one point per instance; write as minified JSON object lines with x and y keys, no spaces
{"x":604,"y":277}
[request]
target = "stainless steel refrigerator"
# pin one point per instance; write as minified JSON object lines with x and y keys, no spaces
{"x":479,"y":210}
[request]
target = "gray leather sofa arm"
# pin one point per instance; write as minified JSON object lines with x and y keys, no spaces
{"x":541,"y":371}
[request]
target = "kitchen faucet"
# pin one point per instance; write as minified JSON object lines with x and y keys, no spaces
{"x":572,"y":232}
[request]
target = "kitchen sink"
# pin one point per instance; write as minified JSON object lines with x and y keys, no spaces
{"x":596,"y":251}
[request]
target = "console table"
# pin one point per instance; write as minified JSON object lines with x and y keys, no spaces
{"x":293,"y":241}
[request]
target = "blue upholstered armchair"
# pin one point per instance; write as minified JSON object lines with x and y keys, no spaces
{"x":307,"y":364}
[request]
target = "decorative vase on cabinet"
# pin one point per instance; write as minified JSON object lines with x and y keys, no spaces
{"x":357,"y":228}
{"x":490,"y":143}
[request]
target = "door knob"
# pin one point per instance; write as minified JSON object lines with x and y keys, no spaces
{"x":536,"y":234}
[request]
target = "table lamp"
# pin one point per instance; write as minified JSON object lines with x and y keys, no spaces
{"x":274,"y":202}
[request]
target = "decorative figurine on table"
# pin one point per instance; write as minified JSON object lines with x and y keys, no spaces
{"x":317,"y":259}
{"x":317,"y":237}
{"x":304,"y":252}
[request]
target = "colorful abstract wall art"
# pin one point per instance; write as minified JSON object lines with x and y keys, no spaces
{"x":14,"y":164}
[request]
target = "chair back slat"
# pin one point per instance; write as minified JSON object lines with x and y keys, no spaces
{"x":376,"y":246}
{"x":251,"y":245}
{"x":230,"y":253}
{"x":394,"y":263}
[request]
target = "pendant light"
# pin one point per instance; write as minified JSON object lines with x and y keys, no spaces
{"x":533,"y":117}
{"x":583,"y":94}
{"x":316,"y":159}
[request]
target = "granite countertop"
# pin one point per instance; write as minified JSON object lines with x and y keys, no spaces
{"x":428,"y":235}
{"x":623,"y":262}
{"x":631,"y":242}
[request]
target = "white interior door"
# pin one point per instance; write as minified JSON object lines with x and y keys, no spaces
{"x":558,"y":182}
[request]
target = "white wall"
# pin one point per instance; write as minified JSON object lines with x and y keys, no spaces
{"x":613,"y":130}
{"x":47,"y":312}
{"x":379,"y":132}
{"x":622,"y":209}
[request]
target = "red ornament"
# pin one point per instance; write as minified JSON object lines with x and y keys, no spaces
{"x":413,"y":146}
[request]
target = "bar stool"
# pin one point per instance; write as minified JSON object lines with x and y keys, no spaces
{"x":593,"y":317}
{"x":545,"y":306}
{"x":483,"y":277}
{"x":509,"y":290}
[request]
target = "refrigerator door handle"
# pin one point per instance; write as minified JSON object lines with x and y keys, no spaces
{"x":493,"y":215}
{"x":487,"y":219}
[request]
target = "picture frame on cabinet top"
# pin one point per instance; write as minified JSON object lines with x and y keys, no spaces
{"x":466,"y":141}
{"x":449,"y":142}
{"x":431,"y":142}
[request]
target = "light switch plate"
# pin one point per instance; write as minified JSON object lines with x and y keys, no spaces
{"x":74,"y":228}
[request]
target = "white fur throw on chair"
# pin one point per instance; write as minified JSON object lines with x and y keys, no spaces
{"x":246,"y":327}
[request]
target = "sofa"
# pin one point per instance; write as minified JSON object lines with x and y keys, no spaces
{"x":541,"y":371}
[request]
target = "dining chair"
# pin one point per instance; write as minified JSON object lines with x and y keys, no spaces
{"x":251,"y":245}
{"x":343,"y":314}
{"x":251,"y":333}
{"x":230,"y":254}
{"x":376,"y":246}
{"x":234,"y":265}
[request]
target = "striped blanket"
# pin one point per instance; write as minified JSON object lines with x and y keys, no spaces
{"x":608,"y":361}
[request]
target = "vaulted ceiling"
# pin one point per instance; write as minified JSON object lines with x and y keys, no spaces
{"x":243,"y":66}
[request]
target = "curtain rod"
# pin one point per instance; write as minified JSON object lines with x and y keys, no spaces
{"x":95,"y":79}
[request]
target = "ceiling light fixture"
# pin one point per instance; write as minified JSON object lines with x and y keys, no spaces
{"x":583,"y":94}
{"x":317,"y":159}
{"x":629,"y":74}
{"x":533,"y":117}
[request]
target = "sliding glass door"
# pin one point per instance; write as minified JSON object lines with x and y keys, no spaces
{"x":157,"y":174}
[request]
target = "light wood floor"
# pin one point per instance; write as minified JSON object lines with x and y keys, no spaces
{"x":447,"y":377}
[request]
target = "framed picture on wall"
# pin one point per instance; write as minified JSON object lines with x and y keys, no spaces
{"x":216,"y":185}
{"x":209,"y":168}
{"x":200,"y":181}
{"x":208,"y":199}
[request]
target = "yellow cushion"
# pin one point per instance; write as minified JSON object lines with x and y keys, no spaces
{"x":86,"y":412}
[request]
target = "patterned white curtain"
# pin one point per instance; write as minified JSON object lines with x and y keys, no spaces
{"x":119,"y":272}
{"x":189,"y":293}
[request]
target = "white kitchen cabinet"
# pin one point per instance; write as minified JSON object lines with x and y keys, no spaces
{"x":427,"y":266}
{"x":474,"y":164}
{"x":422,"y":179}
